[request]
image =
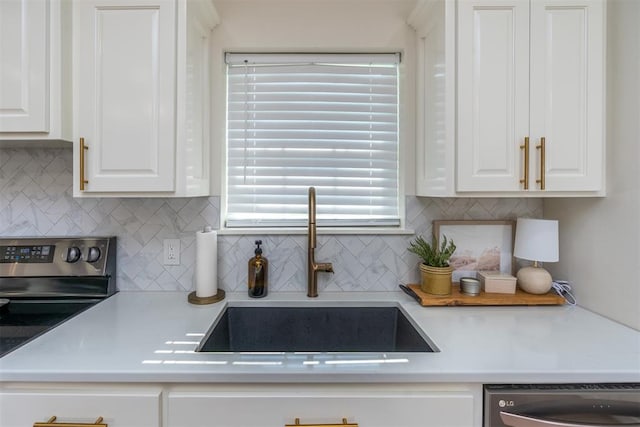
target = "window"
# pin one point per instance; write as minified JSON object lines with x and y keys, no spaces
{"x":300,"y":120}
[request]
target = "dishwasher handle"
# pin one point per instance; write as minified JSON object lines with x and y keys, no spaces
{"x":516,"y":420}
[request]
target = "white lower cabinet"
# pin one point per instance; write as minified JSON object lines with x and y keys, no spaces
{"x":244,"y":405}
{"x":314,"y":405}
{"x":22,"y":406}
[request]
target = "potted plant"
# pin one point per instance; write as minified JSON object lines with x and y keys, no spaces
{"x":435,"y":270}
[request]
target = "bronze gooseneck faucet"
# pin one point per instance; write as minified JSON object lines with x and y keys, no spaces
{"x":312,"y":267}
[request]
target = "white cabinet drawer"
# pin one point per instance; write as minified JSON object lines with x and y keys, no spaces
{"x":118,"y":408}
{"x":277,"y":406}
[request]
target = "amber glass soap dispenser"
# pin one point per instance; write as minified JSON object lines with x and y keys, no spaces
{"x":258,"y":269}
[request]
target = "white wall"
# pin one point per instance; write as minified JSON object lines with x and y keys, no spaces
{"x":600,"y":238}
{"x":316,"y":26}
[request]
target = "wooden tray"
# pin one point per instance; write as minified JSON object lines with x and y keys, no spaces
{"x":458,"y":298}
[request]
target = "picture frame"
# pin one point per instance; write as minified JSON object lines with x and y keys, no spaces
{"x":481,"y":245}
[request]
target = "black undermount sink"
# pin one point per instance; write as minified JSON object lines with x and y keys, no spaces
{"x":313,"y":329}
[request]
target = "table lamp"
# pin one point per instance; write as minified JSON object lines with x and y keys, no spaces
{"x":537,"y":241}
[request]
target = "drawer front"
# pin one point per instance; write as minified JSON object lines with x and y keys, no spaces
{"x":117,"y":408}
{"x":437,"y":409}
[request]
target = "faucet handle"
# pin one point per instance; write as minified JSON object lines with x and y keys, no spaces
{"x":325,"y":266}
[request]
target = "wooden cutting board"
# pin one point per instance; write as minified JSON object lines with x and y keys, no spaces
{"x":458,"y":298}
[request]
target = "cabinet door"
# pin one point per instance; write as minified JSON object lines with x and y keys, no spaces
{"x":567,"y":84}
{"x":119,"y":408}
{"x":435,"y":107}
{"x":196,"y":20}
{"x":125,"y":95}
{"x":24,"y":66}
{"x":493,"y":93}
{"x":274,"y":408}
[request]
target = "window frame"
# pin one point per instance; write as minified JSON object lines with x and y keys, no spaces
{"x":403,"y":169}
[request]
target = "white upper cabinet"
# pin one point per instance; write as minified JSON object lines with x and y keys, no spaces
{"x":493,"y":93}
{"x":526,"y":115}
{"x":434,"y":22}
{"x":34,"y":91}
{"x":141,"y":97}
{"x":567,"y":94}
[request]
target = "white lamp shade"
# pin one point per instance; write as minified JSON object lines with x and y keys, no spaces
{"x":536,"y":240}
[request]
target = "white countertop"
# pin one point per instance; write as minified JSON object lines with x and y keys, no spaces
{"x":150,"y":337}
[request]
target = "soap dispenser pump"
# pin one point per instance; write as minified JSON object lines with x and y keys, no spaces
{"x":258,"y":269}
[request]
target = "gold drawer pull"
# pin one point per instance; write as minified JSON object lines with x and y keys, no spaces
{"x":51,"y":423}
{"x":343,"y":424}
{"x":525,"y":147}
{"x":542,"y":148}
{"x":82,"y":150}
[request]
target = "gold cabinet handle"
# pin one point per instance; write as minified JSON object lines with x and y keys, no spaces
{"x":343,"y":424}
{"x":525,"y":147}
{"x":542,"y":149}
{"x":51,"y":423}
{"x":82,"y":150}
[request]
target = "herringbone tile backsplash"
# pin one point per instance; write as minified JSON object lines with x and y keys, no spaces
{"x":36,"y":199}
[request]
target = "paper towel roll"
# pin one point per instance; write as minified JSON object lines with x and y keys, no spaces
{"x":206,"y":263}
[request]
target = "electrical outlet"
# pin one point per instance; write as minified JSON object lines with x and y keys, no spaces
{"x":171,"y":252}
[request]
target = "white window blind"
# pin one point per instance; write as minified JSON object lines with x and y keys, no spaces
{"x":300,"y":120}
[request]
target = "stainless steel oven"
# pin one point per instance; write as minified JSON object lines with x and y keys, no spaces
{"x":562,"y":405}
{"x":45,"y":281}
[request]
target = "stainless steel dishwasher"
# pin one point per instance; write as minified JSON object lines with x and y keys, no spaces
{"x":562,"y":405}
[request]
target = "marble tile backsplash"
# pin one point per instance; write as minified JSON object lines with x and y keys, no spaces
{"x":36,"y":199}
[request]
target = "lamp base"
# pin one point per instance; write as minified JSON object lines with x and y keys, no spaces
{"x":534,"y":280}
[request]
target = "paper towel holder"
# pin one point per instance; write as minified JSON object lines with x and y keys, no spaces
{"x":210,"y":277}
{"x":194,"y":299}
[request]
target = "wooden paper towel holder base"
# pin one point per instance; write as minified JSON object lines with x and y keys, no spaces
{"x":193,"y":299}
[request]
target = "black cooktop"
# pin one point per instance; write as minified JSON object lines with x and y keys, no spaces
{"x":22,"y":321}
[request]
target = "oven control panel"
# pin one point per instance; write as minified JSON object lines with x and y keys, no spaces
{"x":26,"y":254}
{"x":78,"y":256}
